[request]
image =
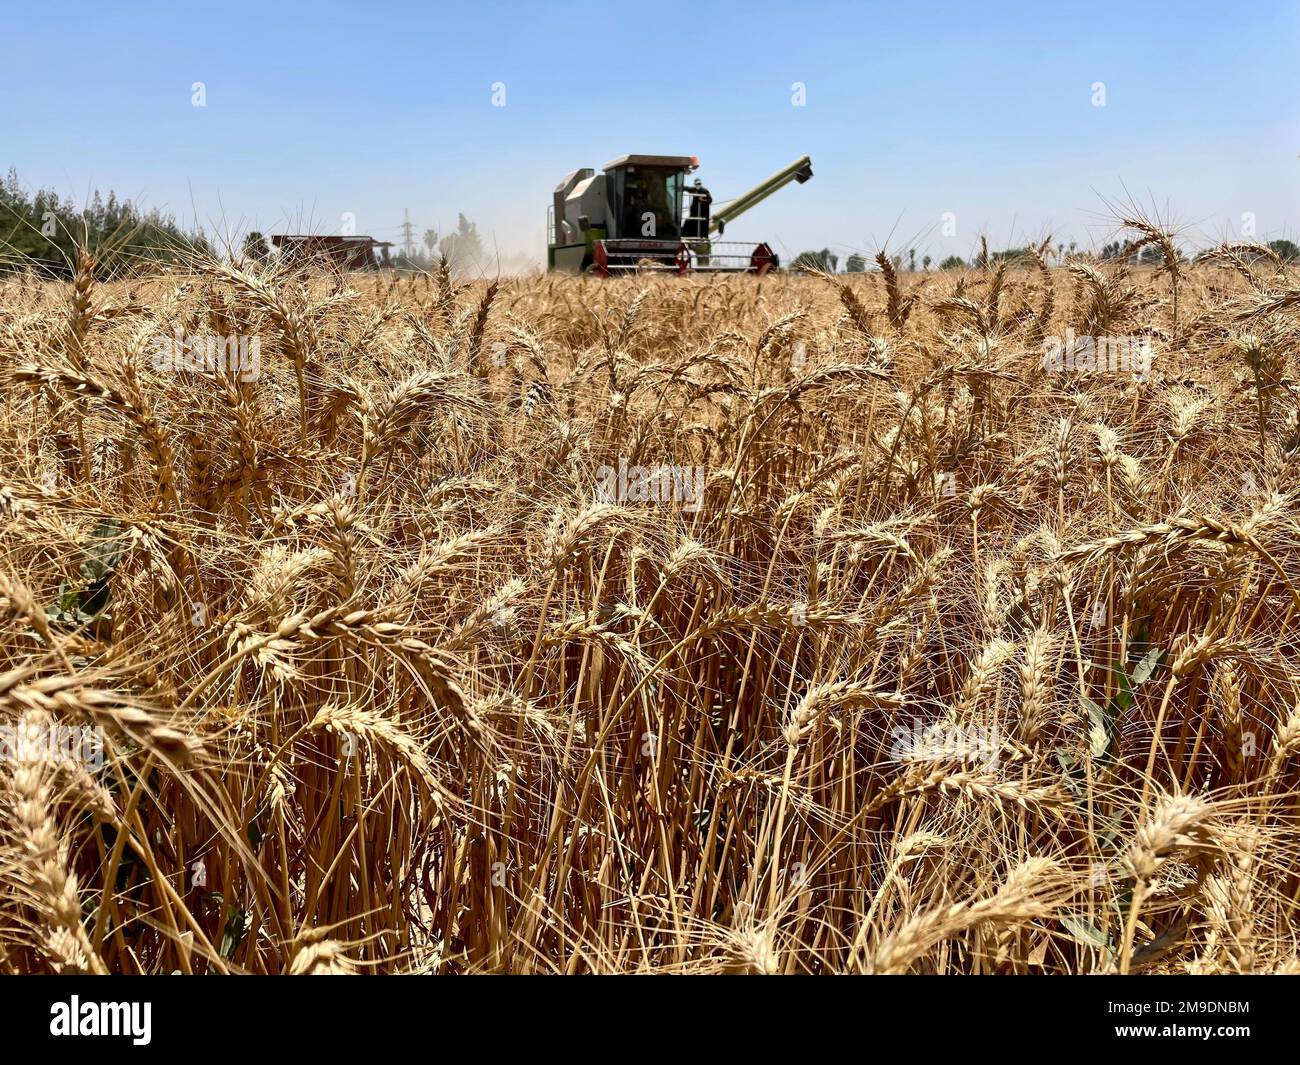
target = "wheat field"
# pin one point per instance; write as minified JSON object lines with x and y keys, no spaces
{"x":783,"y":624}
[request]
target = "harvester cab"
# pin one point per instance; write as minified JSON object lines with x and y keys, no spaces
{"x":640,"y":213}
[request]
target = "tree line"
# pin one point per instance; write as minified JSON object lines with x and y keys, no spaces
{"x":40,"y":230}
{"x":825,"y":261}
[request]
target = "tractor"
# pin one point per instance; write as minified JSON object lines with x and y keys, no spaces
{"x":640,"y":213}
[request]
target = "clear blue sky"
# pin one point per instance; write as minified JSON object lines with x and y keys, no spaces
{"x":912,"y":110}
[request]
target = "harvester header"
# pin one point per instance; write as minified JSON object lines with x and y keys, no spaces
{"x":640,"y":212}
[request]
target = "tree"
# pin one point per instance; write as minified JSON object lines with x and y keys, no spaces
{"x":38,"y":229}
{"x":1010,"y":255}
{"x":822,"y":261}
{"x":925,"y":263}
{"x":855,"y":264}
{"x":255,"y":247}
{"x":1111,"y":250}
{"x":911,"y":260}
{"x":1287,"y":250}
{"x":431,"y":240}
{"x":953,"y":262}
{"x":463,"y":248}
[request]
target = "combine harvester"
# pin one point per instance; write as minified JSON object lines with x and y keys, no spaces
{"x":630,"y":216}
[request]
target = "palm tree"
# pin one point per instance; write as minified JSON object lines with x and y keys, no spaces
{"x":431,"y":239}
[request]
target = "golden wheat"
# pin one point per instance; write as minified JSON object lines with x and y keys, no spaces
{"x":758,"y":624}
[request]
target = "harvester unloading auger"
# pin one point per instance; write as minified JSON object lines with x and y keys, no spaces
{"x":640,"y":212}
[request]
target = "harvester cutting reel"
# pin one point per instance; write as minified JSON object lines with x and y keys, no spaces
{"x":682,"y":257}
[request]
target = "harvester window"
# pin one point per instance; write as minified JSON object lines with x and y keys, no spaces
{"x":673,"y":194}
{"x":644,"y":192}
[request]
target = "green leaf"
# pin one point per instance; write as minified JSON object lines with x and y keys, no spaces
{"x":1143,"y":670}
{"x":103,"y":551}
{"x":1087,"y":933}
{"x":1127,"y":685}
{"x":233,"y":934}
{"x":69,"y":598}
{"x":1124,"y":690}
{"x":88,"y":607}
{"x":1110,"y":837}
